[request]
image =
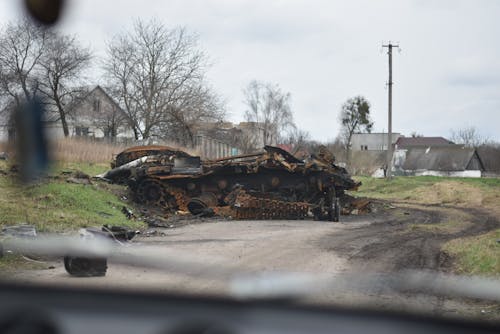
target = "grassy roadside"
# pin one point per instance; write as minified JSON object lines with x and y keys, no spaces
{"x":429,"y":189}
{"x":10,"y":262}
{"x":479,"y":255}
{"x":54,"y":205}
{"x":474,"y":255}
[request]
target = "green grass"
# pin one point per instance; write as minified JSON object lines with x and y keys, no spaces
{"x":55,"y":205}
{"x":478,"y":255}
{"x":432,"y":189}
{"x":91,"y":169}
{"x":474,"y":255}
{"x":448,"y":226}
{"x":10,"y":262}
{"x":397,"y":187}
{"x":401,"y":185}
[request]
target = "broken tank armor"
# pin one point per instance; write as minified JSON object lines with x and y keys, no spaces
{"x":272,"y":184}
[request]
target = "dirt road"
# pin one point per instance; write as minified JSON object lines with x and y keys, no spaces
{"x":399,"y":237}
{"x":255,"y":245}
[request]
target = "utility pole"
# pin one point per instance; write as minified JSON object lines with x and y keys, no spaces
{"x":388,"y":173}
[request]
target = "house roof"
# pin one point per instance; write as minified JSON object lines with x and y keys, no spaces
{"x":375,"y":133}
{"x":404,"y":142}
{"x":90,"y":92}
{"x":444,"y":158}
{"x":490,"y":157}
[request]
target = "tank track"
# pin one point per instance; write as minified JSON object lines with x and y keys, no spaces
{"x":243,"y":205}
{"x":154,"y":192}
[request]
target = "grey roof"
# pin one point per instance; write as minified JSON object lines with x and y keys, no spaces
{"x":490,"y":157}
{"x":404,"y":142}
{"x":443,"y":158}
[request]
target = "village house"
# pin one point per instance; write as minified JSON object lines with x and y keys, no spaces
{"x":215,"y":140}
{"x":438,"y":156}
{"x":95,"y":115}
{"x":415,"y":156}
{"x":449,"y":160}
{"x":410,"y":142}
{"x":372,"y":141}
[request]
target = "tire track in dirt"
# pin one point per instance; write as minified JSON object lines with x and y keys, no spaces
{"x":390,"y":245}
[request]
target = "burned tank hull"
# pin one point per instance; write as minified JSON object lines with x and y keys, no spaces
{"x":269,"y":185}
{"x":136,"y":152}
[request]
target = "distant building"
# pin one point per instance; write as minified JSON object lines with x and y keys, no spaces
{"x":409,"y":142}
{"x":95,"y":115}
{"x":447,"y":160}
{"x":490,"y":157}
{"x":254,"y":133}
{"x":220,"y":139}
{"x":211,"y":148}
{"x":372,"y":141}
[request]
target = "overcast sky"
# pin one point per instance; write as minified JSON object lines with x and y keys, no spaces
{"x":447,"y":75}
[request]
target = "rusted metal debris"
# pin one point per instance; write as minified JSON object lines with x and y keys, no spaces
{"x":355,"y":206}
{"x":136,"y":152}
{"x":272,"y":184}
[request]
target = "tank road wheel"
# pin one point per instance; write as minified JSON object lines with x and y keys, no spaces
{"x":150,"y":192}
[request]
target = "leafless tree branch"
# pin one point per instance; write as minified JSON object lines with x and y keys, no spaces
{"x":158,"y":74}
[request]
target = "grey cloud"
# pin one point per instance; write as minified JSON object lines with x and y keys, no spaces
{"x":477,"y":80}
{"x":325,"y":51}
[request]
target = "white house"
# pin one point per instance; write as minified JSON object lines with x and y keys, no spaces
{"x":371,"y":141}
{"x":95,"y":115}
{"x":450,"y":160}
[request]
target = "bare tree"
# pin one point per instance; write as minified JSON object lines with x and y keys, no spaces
{"x":354,"y":117}
{"x":244,"y":139}
{"x":21,"y":48}
{"x":247,"y":143}
{"x":159,"y":76}
{"x":299,"y":140}
{"x":180,"y":122}
{"x":269,"y":110}
{"x":61,"y":67}
{"x":38,"y":62}
{"x":468,"y":136}
{"x":337,"y":147}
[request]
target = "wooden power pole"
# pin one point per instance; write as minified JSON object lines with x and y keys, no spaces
{"x":389,"y":133}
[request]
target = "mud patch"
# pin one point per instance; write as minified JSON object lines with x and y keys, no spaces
{"x":392,"y":245}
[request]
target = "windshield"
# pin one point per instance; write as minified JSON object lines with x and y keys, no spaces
{"x":335,"y":152}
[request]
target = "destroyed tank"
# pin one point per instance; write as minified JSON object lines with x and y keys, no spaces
{"x":136,"y":152}
{"x":272,"y":184}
